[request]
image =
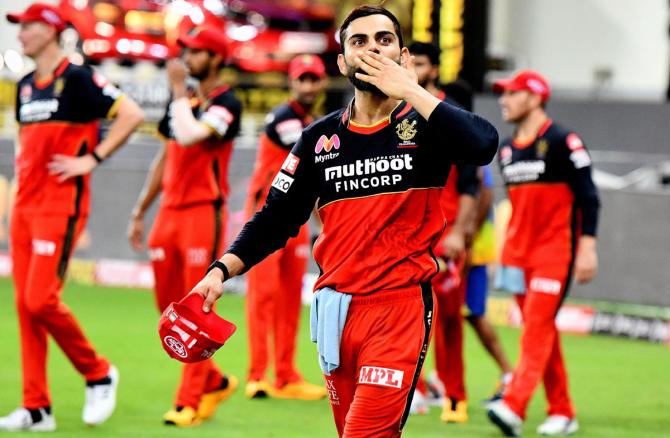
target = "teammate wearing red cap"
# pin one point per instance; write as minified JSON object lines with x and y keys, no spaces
{"x":550,"y":238}
{"x":458,"y":202}
{"x":375,"y":171}
{"x":191,"y":171}
{"x":275,"y":284}
{"x":57,"y":108}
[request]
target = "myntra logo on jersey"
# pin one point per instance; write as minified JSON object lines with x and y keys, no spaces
{"x":325,"y":144}
{"x":381,"y":377}
{"x":524,"y":171}
{"x":355,"y":175}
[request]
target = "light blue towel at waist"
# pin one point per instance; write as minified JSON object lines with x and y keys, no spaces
{"x":510,"y":279}
{"x":326,"y":323}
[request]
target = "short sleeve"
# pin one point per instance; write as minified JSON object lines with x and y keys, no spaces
{"x":222,"y":116}
{"x":98,"y":98}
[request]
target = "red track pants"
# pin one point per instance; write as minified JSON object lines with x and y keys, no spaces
{"x":273,"y":310}
{"x":41,"y":247}
{"x":182,"y":244}
{"x":382,"y":351}
{"x":541,"y":358}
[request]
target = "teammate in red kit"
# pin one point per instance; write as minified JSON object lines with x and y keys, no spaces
{"x":458,"y":202}
{"x":191,"y":171}
{"x":274,"y":285}
{"x":375,"y":170}
{"x":550,"y":238}
{"x":57,"y":107}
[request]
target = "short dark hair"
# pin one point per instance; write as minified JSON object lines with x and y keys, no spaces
{"x":364,"y":11}
{"x":425,"y":49}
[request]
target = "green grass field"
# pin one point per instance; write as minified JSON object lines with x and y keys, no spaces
{"x":621,"y":388}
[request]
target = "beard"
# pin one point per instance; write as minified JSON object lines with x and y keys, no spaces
{"x":362,"y":85}
{"x":198,"y":74}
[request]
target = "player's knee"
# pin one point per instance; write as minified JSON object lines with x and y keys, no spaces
{"x":39,"y":308}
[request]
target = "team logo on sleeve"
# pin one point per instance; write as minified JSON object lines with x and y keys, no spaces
{"x":381,"y":376}
{"x":505,"y":155}
{"x":574,"y":142}
{"x":282,"y":182}
{"x":289,"y":131}
{"x":290,"y":164}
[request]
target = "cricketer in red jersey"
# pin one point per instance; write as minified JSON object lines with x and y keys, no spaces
{"x":458,"y":202}
{"x":375,"y":170}
{"x":191,"y":174}
{"x":57,"y":108}
{"x":273,"y":297}
{"x":550,"y":238}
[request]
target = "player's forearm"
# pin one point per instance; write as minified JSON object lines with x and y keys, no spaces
{"x":422,"y":100}
{"x":483,"y":206}
{"x":587,"y":243}
{"x":152,"y":186}
{"x":187,"y":129}
{"x":466,"y":212}
{"x":470,"y":138}
{"x":128,"y":118}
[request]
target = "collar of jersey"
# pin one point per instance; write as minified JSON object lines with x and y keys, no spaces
{"x":59,"y":71}
{"x":299,"y":110}
{"x":400,"y":110}
{"x":521,"y":144}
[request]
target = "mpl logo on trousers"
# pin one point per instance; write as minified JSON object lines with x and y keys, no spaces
{"x":326,"y":144}
{"x":381,"y":377}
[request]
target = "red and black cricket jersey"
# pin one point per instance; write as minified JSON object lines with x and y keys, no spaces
{"x":58,"y":116}
{"x":283,"y":127}
{"x":199,"y":173}
{"x":377,"y":189}
{"x":552,"y":194}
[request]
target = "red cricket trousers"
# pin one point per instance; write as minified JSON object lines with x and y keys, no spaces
{"x":41,"y":246}
{"x":273,"y":310}
{"x":382,"y":351}
{"x":541,"y":358}
{"x":182,"y":244}
{"x":448,"y":338}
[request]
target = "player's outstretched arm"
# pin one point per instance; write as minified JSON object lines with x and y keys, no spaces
{"x":128,"y":117}
{"x":211,"y":287}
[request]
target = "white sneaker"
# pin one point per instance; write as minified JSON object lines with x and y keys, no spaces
{"x":419,"y":404}
{"x":558,"y":425}
{"x":101,"y":400}
{"x":502,"y":416}
{"x":20,"y":420}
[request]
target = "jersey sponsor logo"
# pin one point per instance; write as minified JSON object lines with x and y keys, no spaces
{"x":26,"y":93}
{"x":289,"y":131}
{"x":354,"y":176}
{"x":381,"y":376}
{"x":332,"y":393}
{"x":221,"y":112}
{"x":197,"y":256}
{"x":574,"y":142}
{"x":545,"y":285}
{"x":290,"y":164}
{"x":44,"y":247}
{"x":282,"y":182}
{"x":214,"y":121}
{"x":505,"y":155}
{"x":156,"y":254}
{"x":580,"y":158}
{"x":326,"y":144}
{"x":176,"y":345}
{"x":524,"y":171}
{"x":38,"y":110}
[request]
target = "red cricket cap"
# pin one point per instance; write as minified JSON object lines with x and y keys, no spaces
{"x":528,"y":80}
{"x":302,"y":64}
{"x":190,"y":335}
{"x":42,"y":12}
{"x":205,"y":38}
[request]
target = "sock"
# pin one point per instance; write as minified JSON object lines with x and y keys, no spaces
{"x":104,"y":381}
{"x":36,"y":414}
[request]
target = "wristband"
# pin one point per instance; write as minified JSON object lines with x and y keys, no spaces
{"x":224,"y":269}
{"x":98,"y":159}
